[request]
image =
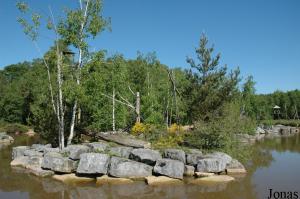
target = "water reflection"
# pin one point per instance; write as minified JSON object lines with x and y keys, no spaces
{"x":265,"y":171}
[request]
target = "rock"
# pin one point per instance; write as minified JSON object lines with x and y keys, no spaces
{"x":216,"y":179}
{"x":57,"y":163}
{"x":203,"y":174}
{"x":124,"y":168}
{"x":18,"y":151}
{"x":235,"y":167}
{"x":40,"y":147}
{"x":285,"y":131}
{"x":294,"y":130}
{"x":72,"y":178}
{"x":49,"y":158}
{"x":32,"y":152}
{"x":175,"y":154}
{"x":93,"y":163}
{"x":75,"y":151}
{"x":110,"y":180}
{"x":38,"y":171}
{"x":124,"y":140}
{"x":189,"y":170}
{"x":20,"y":161}
{"x":35,"y":161}
{"x":170,"y":168}
{"x":213,"y":165}
{"x":5,"y":139}
{"x":193,"y":156}
{"x":146,"y":156}
{"x":48,"y":150}
{"x":98,"y":147}
{"x":260,"y":130}
{"x":160,"y":180}
{"x":219,"y":155}
{"x":121,"y":151}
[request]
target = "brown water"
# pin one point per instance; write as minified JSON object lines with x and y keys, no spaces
{"x":275,"y":166}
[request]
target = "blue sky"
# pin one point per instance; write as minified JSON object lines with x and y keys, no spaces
{"x":261,"y":37}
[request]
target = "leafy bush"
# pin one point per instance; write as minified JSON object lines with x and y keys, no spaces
{"x":168,"y":141}
{"x":218,"y":133}
{"x":13,"y":128}
{"x":138,"y":128}
{"x":175,"y":128}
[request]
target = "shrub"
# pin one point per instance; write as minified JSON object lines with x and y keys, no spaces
{"x":175,"y":128}
{"x":169,"y":141}
{"x":138,"y":128}
{"x":13,"y":128}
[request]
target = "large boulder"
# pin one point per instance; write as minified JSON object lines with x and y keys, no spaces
{"x":189,"y":170}
{"x":193,"y":156}
{"x":120,"y":151}
{"x":93,"y":163}
{"x":74,"y":151}
{"x":260,"y":130}
{"x":175,"y":154}
{"x":48,"y":150}
{"x":5,"y":139}
{"x":40,"y":147}
{"x":32,"y":152}
{"x":18,"y":151}
{"x":38,"y":171}
{"x":213,"y":165}
{"x":170,"y":168}
{"x":35,"y":161}
{"x":124,"y":168}
{"x":98,"y":147}
{"x":294,"y":130}
{"x":219,"y":155}
{"x":235,"y":167}
{"x":56,"y":162}
{"x":146,"y":156}
{"x":21,"y":161}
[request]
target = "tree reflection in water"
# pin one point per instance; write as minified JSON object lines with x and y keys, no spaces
{"x":245,"y":187}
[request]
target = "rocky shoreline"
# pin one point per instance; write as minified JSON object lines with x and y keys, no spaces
{"x":115,"y":164}
{"x":267,"y":132}
{"x":5,"y":139}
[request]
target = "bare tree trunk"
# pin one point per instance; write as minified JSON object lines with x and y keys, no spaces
{"x":71,"y":135}
{"x":137,"y":107}
{"x":113,"y":111}
{"x":60,"y":98}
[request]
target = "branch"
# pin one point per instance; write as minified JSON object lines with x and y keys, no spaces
{"x":125,"y":100}
{"x":110,"y":97}
{"x":131,"y":90}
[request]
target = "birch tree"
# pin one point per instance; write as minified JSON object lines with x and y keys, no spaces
{"x":74,"y":29}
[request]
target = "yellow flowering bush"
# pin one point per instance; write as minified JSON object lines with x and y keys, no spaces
{"x":175,"y":128}
{"x":138,"y":128}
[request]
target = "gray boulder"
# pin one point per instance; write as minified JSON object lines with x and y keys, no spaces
{"x":56,"y":162}
{"x":48,"y":150}
{"x":175,"y":154}
{"x":98,"y":146}
{"x":121,"y":151}
{"x":35,"y":161}
{"x":125,"y":168}
{"x":212,"y":165}
{"x":93,"y":163}
{"x":49,"y":158}
{"x":5,"y":139}
{"x":193,"y":156}
{"x":235,"y":167}
{"x":75,"y":151}
{"x":189,"y":170}
{"x":170,"y":168}
{"x":18,"y":151}
{"x":219,"y":155}
{"x":40,"y":147}
{"x":260,"y":130}
{"x":146,"y":156}
{"x":32,"y":152}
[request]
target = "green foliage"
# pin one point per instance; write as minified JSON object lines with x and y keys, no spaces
{"x":13,"y":127}
{"x":218,"y":133}
{"x":210,"y":85}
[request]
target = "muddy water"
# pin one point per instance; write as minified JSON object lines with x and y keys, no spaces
{"x":275,"y":166}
